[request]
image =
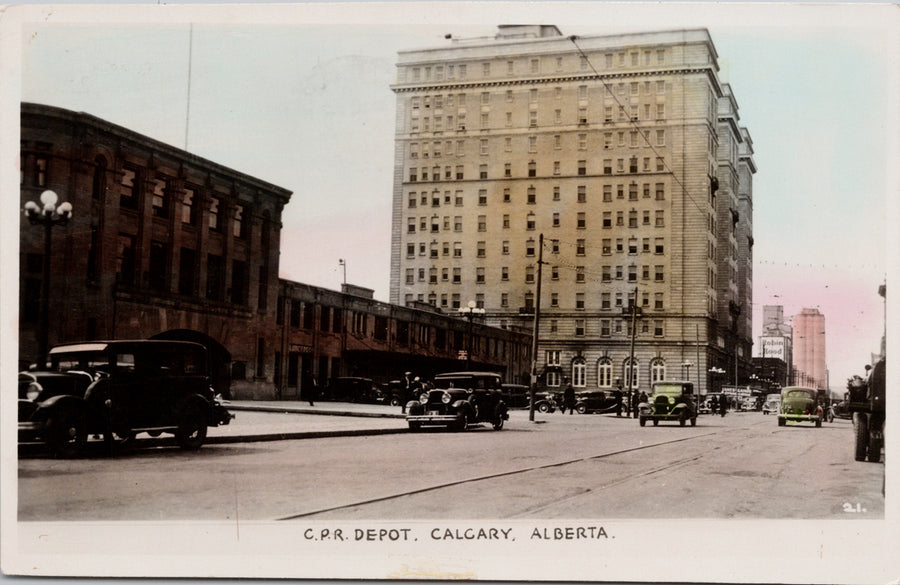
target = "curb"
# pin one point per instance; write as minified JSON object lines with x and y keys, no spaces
{"x":283,"y":410}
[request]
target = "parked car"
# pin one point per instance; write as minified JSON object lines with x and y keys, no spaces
{"x":799,"y":404}
{"x":391,"y":393}
{"x":547,"y":401}
{"x":515,"y":395}
{"x":118,"y":389}
{"x":458,"y":400}
{"x":594,"y":401}
{"x":842,"y":410}
{"x":669,"y":400}
{"x":351,"y":389}
{"x":772,"y":404}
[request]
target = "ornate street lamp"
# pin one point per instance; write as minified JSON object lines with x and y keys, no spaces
{"x":470,"y":310}
{"x":47,"y":214}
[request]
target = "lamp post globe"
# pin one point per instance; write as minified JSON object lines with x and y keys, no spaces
{"x":46,"y":214}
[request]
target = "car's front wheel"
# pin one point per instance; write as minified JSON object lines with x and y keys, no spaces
{"x":66,"y":431}
{"x":544,"y":407}
{"x":462,"y":421}
{"x":581,"y":409}
{"x":191,"y":431}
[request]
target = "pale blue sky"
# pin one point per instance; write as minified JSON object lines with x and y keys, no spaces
{"x":308,"y":107}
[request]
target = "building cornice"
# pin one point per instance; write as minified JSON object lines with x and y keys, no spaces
{"x":575,"y":78}
{"x":153,"y":146}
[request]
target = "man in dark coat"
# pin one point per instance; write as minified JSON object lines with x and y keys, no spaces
{"x":569,"y":397}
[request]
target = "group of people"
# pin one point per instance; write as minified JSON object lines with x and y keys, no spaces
{"x":411,"y":388}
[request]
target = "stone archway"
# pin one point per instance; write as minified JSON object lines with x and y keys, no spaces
{"x":219,"y":357}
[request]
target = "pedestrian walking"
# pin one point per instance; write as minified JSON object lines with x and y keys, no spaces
{"x":406,"y":391}
{"x":634,"y":403}
{"x":569,"y":397}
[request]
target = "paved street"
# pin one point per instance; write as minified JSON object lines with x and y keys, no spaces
{"x":560,"y":466}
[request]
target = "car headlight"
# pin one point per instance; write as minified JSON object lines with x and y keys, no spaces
{"x":423,"y":399}
{"x":446,"y":398}
{"x":34,"y":390}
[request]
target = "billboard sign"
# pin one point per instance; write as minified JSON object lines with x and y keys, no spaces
{"x":774,"y":347}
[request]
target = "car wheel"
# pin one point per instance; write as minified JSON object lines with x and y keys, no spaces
{"x":462,"y":422}
{"x":544,"y":407}
{"x":415,"y":427}
{"x":66,"y":432}
{"x":874,"y":454}
{"x":693,"y":421}
{"x":498,"y":423}
{"x":395,"y":402}
{"x":642,"y":421}
{"x":191,"y":431}
{"x":682,"y":420}
{"x":581,"y":409}
{"x":818,"y":423}
{"x":861,"y":426}
{"x":656,"y":422}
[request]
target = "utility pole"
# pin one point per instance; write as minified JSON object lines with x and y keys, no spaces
{"x":634,"y":311}
{"x":534,"y":334}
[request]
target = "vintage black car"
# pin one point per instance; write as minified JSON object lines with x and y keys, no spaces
{"x":594,"y":401}
{"x":118,"y":389}
{"x":515,"y":395}
{"x":669,"y":400}
{"x":547,"y":401}
{"x":352,"y":389}
{"x":458,"y":400}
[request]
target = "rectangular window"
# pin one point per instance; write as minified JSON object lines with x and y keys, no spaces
{"x":128,"y":193}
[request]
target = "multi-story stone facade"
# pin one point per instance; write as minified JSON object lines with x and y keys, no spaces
{"x":622,"y":154}
{"x":163,"y":243}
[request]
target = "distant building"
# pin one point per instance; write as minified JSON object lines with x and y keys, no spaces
{"x":624,"y":153}
{"x":164,"y":243}
{"x":809,"y":349}
{"x":776,"y":343}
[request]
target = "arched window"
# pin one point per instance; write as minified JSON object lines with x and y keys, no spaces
{"x":657,"y":370}
{"x":98,"y":189}
{"x":604,"y":373}
{"x":579,"y":373}
{"x":630,"y":373}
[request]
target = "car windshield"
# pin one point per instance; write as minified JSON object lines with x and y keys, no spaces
{"x":799,"y":394}
{"x":88,"y":361}
{"x":670,"y":389}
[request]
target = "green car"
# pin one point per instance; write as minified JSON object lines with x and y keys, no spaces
{"x":669,"y":401}
{"x":799,"y":404}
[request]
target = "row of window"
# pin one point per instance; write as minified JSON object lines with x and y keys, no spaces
{"x":302,"y":315}
{"x":609,"y":94}
{"x":158,"y":277}
{"x":455,"y":275}
{"x":164,"y":202}
{"x":435,"y":225}
{"x":605,"y":374}
{"x":611,"y":114}
{"x":634,"y":191}
{"x":631,"y":165}
{"x":611,"y":60}
{"x":580,"y":246}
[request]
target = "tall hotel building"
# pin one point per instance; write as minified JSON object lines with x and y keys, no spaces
{"x":624,"y":155}
{"x":809,"y":349}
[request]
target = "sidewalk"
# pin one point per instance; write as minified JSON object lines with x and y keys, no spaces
{"x":281,"y":420}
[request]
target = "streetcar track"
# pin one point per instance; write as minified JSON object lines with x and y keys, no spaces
{"x":518,"y":472}
{"x":614,"y":483}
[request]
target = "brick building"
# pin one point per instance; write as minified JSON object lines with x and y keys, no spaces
{"x":624,"y":154}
